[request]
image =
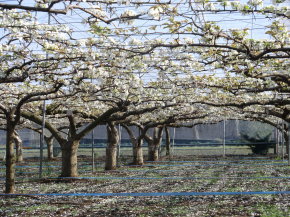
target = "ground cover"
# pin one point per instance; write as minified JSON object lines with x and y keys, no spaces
{"x":126,"y":152}
{"x":180,"y":174}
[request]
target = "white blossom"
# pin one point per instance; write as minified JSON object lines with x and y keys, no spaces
{"x":155,"y":12}
{"x":255,"y":3}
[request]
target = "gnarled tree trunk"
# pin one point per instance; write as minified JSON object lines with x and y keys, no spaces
{"x":111,"y":150}
{"x":69,"y":158}
{"x":137,"y":144}
{"x":49,"y":143}
{"x":18,"y":144}
{"x":154,"y":144}
{"x":167,"y":142}
{"x":287,"y":144}
{"x":10,"y":157}
{"x":138,"y":153}
{"x":153,"y":154}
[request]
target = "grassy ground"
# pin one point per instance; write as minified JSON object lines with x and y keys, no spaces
{"x":179,"y":151}
{"x":233,"y":173}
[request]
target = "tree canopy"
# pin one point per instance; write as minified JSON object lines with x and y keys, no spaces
{"x":149,"y":63}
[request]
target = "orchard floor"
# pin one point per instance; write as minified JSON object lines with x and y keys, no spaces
{"x":181,"y":174}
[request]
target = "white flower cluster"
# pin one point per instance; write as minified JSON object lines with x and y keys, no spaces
{"x":135,"y":41}
{"x":255,"y":3}
{"x":126,"y":17}
{"x":155,"y":12}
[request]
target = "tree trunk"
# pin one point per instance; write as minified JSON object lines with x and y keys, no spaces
{"x":276,"y":144}
{"x":49,"y":143}
{"x":167,"y":142}
{"x":154,"y":144}
{"x":69,"y":159}
{"x":137,"y":144}
{"x":153,"y":154}
{"x":287,"y":144}
{"x":138,"y":153}
{"x":10,"y":159}
{"x":111,"y":150}
{"x":18,"y":144}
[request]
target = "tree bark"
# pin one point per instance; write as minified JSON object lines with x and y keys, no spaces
{"x":18,"y":144}
{"x":167,"y":142}
{"x":111,"y":150}
{"x":10,"y":158}
{"x":49,"y":143}
{"x":153,"y":154}
{"x":137,"y":144}
{"x":154,"y":144}
{"x":276,"y":150}
{"x":69,"y":159}
{"x":285,"y":135}
{"x":138,"y":153}
{"x":287,"y":142}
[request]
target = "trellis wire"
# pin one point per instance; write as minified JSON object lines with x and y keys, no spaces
{"x":154,"y":194}
{"x":210,"y":163}
{"x":173,"y":178}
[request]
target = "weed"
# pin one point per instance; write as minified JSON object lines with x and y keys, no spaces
{"x":179,"y":210}
{"x":271,"y":211}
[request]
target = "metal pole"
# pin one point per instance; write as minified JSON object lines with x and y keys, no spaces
{"x":173,"y":141}
{"x":4,"y":156}
{"x":93,"y":143}
{"x":282,"y":141}
{"x":119,"y":145}
{"x":42,"y":140}
{"x":289,"y":143}
{"x":93,"y":153}
{"x":277,"y":144}
{"x":224,"y":139}
{"x":43,"y":125}
{"x":278,"y":141}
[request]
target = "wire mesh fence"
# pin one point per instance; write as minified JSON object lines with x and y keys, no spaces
{"x":208,"y":139}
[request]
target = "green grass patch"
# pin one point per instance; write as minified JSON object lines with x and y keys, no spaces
{"x":267,"y":210}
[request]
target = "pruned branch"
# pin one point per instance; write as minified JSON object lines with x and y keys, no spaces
{"x":30,"y":8}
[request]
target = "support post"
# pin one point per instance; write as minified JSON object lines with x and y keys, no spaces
{"x":93,"y":152}
{"x":42,"y":139}
{"x":119,"y":145}
{"x":278,"y":141}
{"x":224,"y":138}
{"x":43,"y":125}
{"x":282,"y":141}
{"x":289,"y":143}
{"x":173,"y":141}
{"x":4,"y":156}
{"x":276,"y":151}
